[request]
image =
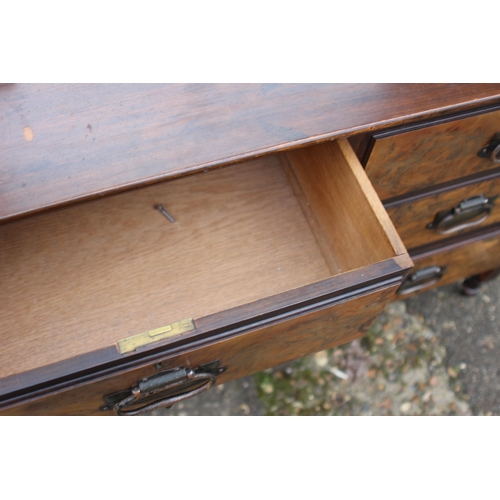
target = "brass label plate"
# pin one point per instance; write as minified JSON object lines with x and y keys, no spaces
{"x":132,"y":343}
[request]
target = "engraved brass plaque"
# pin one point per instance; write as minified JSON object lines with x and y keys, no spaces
{"x":130,"y":344}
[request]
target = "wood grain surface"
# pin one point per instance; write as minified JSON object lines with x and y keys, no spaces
{"x":84,"y":277}
{"x":245,"y":354}
{"x":66,"y":142}
{"x":429,"y":156}
{"x":216,"y":327}
{"x":412,"y":218}
{"x":461,"y":260}
{"x":349,"y":221}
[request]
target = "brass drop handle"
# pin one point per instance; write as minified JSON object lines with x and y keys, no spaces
{"x":468,"y":213}
{"x":492,"y":150}
{"x":421,"y":279}
{"x":163,"y":390}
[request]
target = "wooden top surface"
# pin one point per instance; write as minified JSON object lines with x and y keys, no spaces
{"x":64,"y":143}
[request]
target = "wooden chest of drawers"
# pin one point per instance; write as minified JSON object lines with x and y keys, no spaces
{"x":439,"y":181}
{"x":111,"y":304}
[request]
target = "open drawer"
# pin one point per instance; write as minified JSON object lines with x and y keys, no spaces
{"x":109,"y":305}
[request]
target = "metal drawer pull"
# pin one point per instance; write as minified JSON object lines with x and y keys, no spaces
{"x":468,"y":213}
{"x":492,"y":150}
{"x":423,"y":278}
{"x":172,"y":387}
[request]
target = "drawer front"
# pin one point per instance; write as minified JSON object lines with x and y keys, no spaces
{"x":240,"y":355}
{"x":434,"y":269}
{"x":437,"y":216}
{"x":419,"y":159}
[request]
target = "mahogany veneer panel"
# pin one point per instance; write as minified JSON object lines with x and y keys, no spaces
{"x":61,"y":143}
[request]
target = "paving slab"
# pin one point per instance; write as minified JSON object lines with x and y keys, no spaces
{"x":469,"y":329}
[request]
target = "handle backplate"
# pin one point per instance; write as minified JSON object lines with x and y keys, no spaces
{"x":163,"y":390}
{"x":492,"y":150}
{"x":421,"y":279}
{"x":468,"y":213}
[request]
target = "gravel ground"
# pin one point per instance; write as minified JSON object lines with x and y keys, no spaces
{"x":397,"y":369}
{"x":469,"y":329}
{"x":433,"y":354}
{"x":236,"y":398}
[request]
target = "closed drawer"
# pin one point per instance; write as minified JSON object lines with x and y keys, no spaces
{"x":457,"y":260}
{"x":419,"y":158}
{"x":265,"y":262}
{"x":456,"y":210}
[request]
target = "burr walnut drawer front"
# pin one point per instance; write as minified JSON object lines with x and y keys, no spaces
{"x":151,"y":296}
{"x":456,"y":260}
{"x":440,"y":214}
{"x":406,"y":160}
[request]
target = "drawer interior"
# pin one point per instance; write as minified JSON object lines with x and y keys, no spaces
{"x":82,"y":278}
